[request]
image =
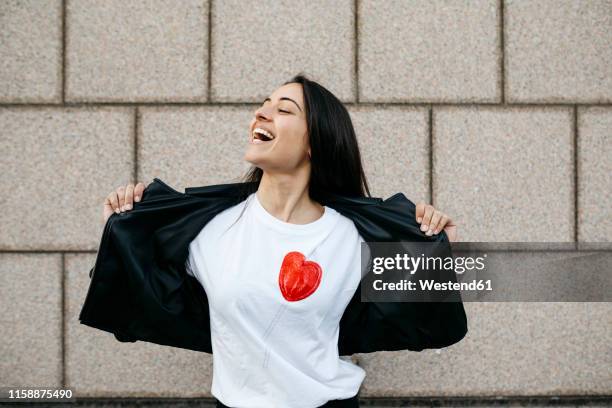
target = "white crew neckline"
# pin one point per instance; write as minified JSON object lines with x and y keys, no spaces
{"x":325,"y":220}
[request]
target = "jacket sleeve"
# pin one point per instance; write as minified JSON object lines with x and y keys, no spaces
{"x":135,"y":293}
{"x":437,"y":324}
{"x":369,"y":326}
{"x":118,"y":335}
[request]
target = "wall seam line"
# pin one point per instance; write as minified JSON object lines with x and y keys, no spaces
{"x":431,"y":143}
{"x":576,"y":169}
{"x":63,"y":52}
{"x":502,"y":46}
{"x":63,"y":320}
{"x":135,"y":139}
{"x":356,"y":48}
{"x":209,"y":62}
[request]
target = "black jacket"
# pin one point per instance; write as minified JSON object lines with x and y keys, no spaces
{"x":140,"y":290}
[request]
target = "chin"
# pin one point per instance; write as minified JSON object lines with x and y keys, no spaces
{"x":252,"y":158}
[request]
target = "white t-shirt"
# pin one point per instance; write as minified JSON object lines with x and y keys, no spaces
{"x":275,"y":334}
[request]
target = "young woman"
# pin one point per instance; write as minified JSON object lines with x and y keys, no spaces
{"x":274,"y":335}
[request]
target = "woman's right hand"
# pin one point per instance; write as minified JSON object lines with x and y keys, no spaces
{"x":122,"y":199}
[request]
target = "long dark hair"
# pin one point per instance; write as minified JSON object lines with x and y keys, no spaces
{"x":335,"y":158}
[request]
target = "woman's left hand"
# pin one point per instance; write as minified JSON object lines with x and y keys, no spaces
{"x":433,"y":221}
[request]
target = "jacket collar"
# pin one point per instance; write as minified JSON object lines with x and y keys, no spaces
{"x":236,"y":189}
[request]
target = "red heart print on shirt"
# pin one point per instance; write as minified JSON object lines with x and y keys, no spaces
{"x":298,"y":278}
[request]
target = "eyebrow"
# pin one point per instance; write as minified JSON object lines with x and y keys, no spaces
{"x":284,"y":98}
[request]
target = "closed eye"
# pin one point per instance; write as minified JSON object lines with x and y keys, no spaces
{"x":284,"y":111}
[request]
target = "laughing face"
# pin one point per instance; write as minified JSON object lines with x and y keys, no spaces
{"x":278,"y":135}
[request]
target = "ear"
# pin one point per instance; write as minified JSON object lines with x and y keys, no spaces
{"x":309,"y":156}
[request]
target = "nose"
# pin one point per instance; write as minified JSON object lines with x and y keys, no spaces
{"x":259,"y":116}
{"x":261,"y":113}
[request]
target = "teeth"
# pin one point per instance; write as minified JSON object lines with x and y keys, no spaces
{"x":264,"y":132}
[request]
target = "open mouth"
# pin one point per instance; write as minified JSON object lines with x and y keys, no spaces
{"x":261,"y":136}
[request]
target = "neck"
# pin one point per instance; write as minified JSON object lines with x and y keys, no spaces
{"x":286,"y":197}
